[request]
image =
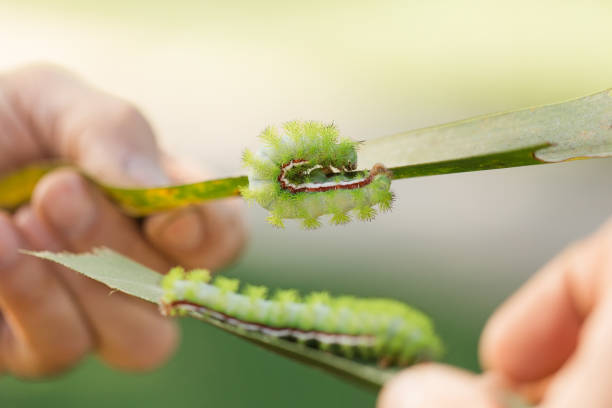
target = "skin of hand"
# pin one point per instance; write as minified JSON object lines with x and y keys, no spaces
{"x":51,"y":317}
{"x":550,"y":342}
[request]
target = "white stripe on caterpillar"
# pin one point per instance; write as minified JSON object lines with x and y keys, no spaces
{"x":308,"y":171}
{"x":382,"y":330}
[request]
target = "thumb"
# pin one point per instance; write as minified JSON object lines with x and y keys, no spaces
{"x":104,"y":135}
{"x":123,"y":151}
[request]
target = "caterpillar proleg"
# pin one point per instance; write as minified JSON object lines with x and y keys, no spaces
{"x":379,"y":330}
{"x":307,"y":171}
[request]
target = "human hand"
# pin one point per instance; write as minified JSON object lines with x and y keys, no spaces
{"x":50,"y":317}
{"x":551,"y":342}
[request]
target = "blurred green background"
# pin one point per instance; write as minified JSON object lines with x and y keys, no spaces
{"x":211,"y":75}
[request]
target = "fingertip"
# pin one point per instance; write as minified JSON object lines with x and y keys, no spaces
{"x":57,"y":359}
{"x":493,"y":341}
{"x":433,"y":385}
{"x":532,"y":334}
{"x":63,"y":199}
{"x":145,"y":347}
{"x":167,"y":338}
{"x":179,"y":231}
{"x":229,"y":231}
{"x":209,"y":235}
{"x":35,"y":231}
{"x":159,"y":350}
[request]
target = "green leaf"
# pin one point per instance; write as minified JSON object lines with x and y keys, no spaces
{"x":144,"y":201}
{"x":114,"y":270}
{"x":512,"y":158}
{"x":16,"y":187}
{"x":123,"y":274}
{"x":579,"y":128}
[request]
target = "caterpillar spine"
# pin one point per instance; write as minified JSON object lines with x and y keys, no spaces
{"x":307,"y":171}
{"x":382,"y":330}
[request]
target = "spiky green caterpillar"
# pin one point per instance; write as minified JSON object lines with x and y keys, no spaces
{"x":382,"y":330}
{"x":308,"y":171}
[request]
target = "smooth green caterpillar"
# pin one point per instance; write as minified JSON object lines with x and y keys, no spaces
{"x":382,"y":330}
{"x":307,"y":171}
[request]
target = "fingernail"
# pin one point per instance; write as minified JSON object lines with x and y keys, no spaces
{"x":67,"y":203}
{"x":145,"y":170}
{"x":9,"y":244}
{"x":182,"y":232}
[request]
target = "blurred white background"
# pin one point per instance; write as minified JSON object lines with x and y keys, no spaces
{"x":211,"y":76}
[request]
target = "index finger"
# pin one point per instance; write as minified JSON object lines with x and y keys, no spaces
{"x":535,"y":332}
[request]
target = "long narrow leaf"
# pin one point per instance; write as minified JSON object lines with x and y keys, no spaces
{"x":576,"y":129}
{"x":123,"y":274}
{"x":579,"y":128}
